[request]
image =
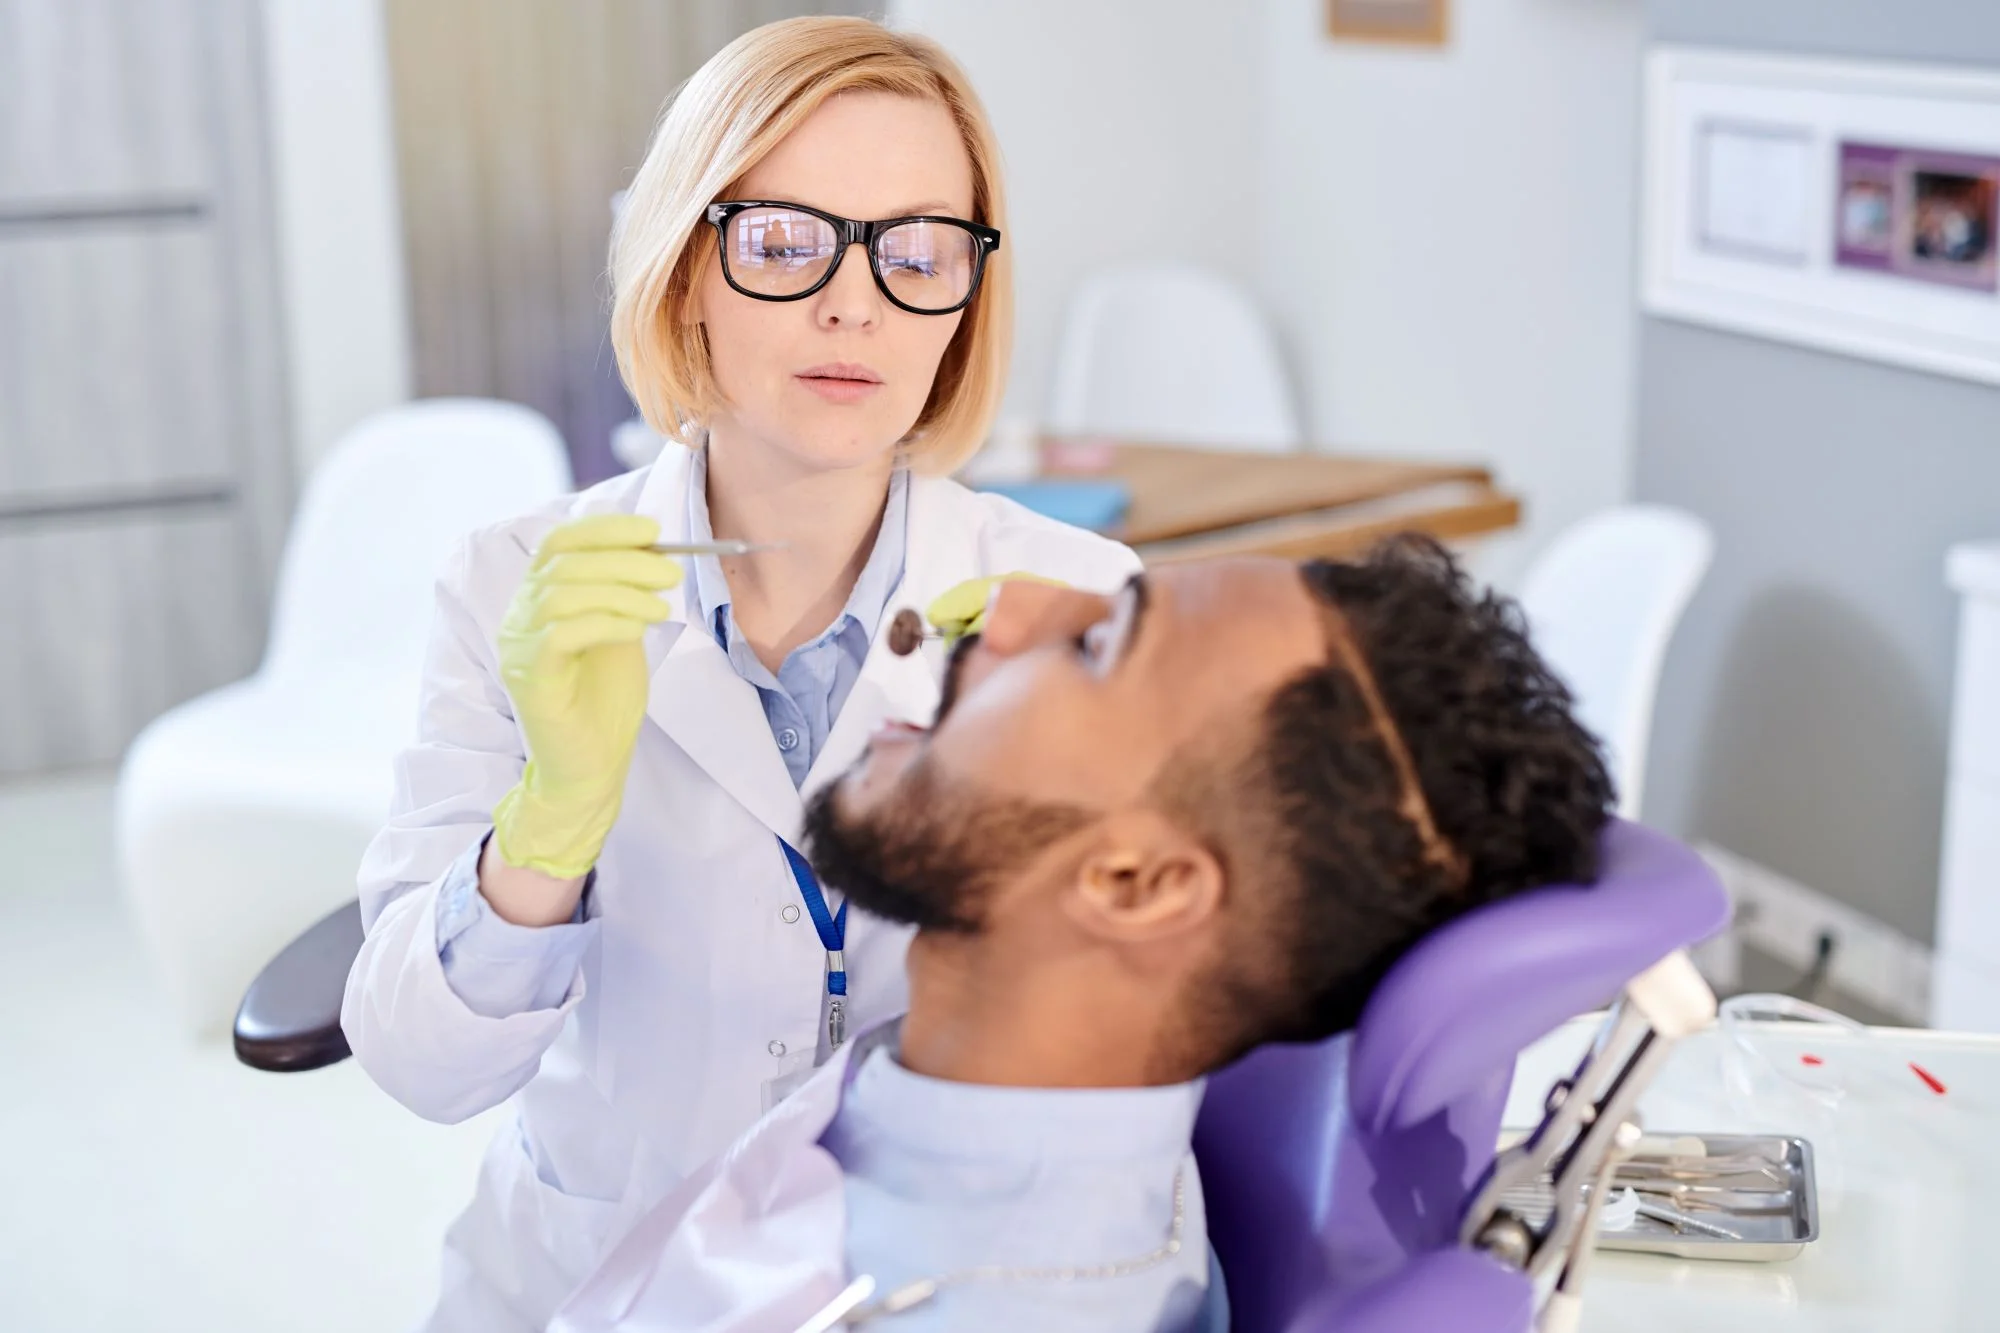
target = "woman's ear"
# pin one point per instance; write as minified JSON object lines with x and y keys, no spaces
{"x":1145,"y":880}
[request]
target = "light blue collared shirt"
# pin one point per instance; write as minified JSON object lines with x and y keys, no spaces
{"x":942,"y":1177}
{"x":499,"y":969}
{"x":803,"y":700}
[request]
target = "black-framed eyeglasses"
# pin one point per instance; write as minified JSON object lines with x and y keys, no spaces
{"x":786,"y":252}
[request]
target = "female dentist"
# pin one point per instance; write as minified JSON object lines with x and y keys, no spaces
{"x":586,"y":898}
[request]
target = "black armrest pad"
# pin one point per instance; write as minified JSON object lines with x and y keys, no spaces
{"x":290,"y":1017}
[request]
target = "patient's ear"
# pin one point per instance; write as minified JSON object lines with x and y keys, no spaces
{"x":1145,"y":879}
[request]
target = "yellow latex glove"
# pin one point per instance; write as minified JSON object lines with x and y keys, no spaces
{"x":572,"y":662}
{"x":961,"y":610}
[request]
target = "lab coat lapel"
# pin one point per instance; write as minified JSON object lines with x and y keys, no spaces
{"x":941,"y":552}
{"x":697,"y":698}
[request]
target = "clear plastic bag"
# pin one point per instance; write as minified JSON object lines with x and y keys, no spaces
{"x":1788,"y":1067}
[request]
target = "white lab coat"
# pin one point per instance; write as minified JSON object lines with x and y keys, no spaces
{"x":754,"y":1241}
{"x":699,"y":998}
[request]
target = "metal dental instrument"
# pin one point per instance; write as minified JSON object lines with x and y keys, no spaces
{"x":907,"y":632}
{"x":1741,"y":1203}
{"x":1719,"y":1173}
{"x":834,"y":1314}
{"x":1680,"y":1221}
{"x":732,"y":546}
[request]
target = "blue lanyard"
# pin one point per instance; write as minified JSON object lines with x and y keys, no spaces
{"x":832,"y":928}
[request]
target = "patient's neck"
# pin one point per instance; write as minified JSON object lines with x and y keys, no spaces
{"x":977,"y":1016}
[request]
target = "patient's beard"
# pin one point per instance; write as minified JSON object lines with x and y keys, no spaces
{"x":933,"y":856}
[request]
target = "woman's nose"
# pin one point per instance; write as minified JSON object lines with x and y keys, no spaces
{"x":850,"y":300}
{"x":1021,"y":616}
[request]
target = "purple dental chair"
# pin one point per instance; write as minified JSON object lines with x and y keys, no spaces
{"x":1340,"y":1177}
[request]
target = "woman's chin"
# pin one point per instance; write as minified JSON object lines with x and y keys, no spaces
{"x":833,"y":438}
{"x":810,"y":435}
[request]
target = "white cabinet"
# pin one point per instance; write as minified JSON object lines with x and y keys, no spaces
{"x":1967,"y":994}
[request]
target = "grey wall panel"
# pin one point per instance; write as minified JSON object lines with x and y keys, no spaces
{"x":110,"y":623}
{"x":253,"y":350}
{"x":116,"y":375}
{"x":1946,"y":31}
{"x":1803,"y":710}
{"x":103,"y":98}
{"x":1804,"y":707}
{"x":144,"y":469}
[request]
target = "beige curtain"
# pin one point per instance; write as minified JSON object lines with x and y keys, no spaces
{"x":515,"y":122}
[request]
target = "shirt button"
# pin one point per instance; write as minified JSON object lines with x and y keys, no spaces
{"x":788,"y":739}
{"x":776,"y":1048}
{"x":790,"y":914}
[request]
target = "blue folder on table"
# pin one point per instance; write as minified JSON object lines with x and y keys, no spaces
{"x":1085,"y":502}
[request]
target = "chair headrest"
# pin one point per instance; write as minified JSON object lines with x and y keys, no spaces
{"x":1452,"y":1015}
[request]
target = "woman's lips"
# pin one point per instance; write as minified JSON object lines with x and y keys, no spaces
{"x":841,"y":381}
{"x":838,"y":390}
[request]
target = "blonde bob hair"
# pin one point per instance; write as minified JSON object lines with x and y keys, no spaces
{"x":720,"y":124}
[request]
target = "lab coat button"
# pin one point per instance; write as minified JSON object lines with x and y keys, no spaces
{"x":790,"y":914}
{"x":788,"y":739}
{"x":776,"y":1048}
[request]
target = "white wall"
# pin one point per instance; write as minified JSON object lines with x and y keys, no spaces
{"x":340,"y":241}
{"x":1127,"y":128}
{"x":1449,"y":242}
{"x":1444,"y":238}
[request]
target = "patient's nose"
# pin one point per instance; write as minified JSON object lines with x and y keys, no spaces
{"x":1021,"y":616}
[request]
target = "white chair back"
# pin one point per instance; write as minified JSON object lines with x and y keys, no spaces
{"x":379,"y":516}
{"x":1174,"y":354}
{"x":1602,"y":603}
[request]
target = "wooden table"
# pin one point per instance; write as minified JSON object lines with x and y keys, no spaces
{"x":1197,"y":503}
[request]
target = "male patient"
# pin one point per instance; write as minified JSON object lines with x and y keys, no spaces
{"x":1144,"y":834}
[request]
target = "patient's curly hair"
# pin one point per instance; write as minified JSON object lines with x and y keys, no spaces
{"x":1432,"y":682}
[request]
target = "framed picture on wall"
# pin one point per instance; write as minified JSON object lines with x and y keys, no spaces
{"x":1413,"y":22}
{"x":1753,"y":194}
{"x":1852,"y":206}
{"x":1931,"y":216}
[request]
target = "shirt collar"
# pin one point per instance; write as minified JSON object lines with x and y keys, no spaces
{"x":708,"y":591}
{"x":952,"y":1121}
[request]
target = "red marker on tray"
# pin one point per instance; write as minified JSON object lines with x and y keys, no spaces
{"x":1930,"y":1080}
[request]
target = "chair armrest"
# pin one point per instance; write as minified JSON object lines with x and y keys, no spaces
{"x":289,"y":1020}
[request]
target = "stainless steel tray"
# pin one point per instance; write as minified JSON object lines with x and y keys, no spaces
{"x":1772,"y":1202}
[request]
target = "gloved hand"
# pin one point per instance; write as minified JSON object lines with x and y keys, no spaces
{"x":572,"y":662}
{"x":961,"y":610}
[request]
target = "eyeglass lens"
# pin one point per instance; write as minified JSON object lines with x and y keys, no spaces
{"x":782,"y":252}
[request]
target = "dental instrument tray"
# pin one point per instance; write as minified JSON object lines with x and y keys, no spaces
{"x":1746,"y":1198}
{"x":1743,"y":1197}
